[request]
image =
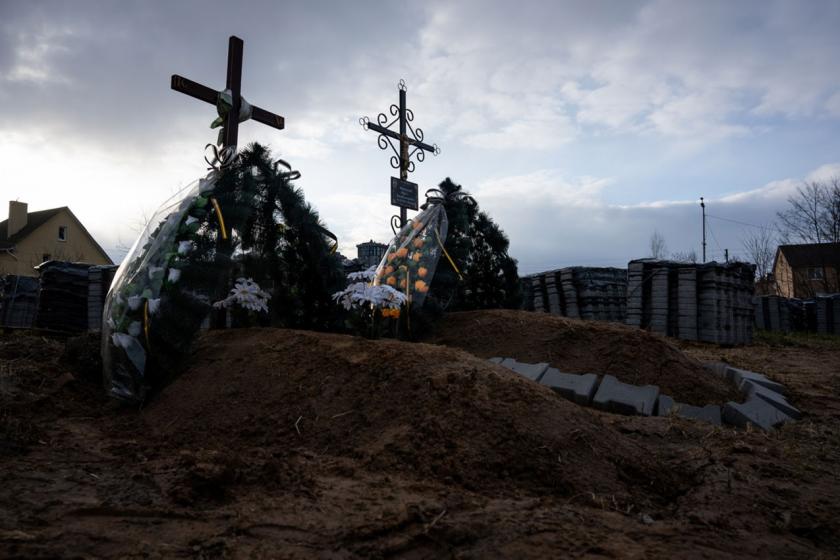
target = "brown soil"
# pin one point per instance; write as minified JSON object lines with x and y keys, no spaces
{"x":574,"y":346}
{"x":289,"y":444}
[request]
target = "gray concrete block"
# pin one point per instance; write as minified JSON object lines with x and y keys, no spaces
{"x":577,"y":388}
{"x":533,"y":372}
{"x":738,"y":376}
{"x":623,"y":398}
{"x":709,"y":413}
{"x":751,"y":388}
{"x":755,"y":411}
{"x":496,"y":360}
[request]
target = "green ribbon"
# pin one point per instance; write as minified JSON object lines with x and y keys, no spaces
{"x":224,"y":103}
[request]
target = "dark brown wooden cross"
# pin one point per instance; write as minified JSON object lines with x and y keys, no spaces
{"x":234,"y":83}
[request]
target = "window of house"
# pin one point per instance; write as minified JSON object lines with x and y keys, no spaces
{"x":62,"y":233}
{"x":815,"y":273}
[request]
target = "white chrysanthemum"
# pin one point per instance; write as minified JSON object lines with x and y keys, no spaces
{"x":361,"y":293}
{"x":134,"y":302}
{"x":174,"y":275}
{"x":135,"y":328}
{"x":154,"y":305}
{"x":184,"y":247}
{"x":247,"y":294}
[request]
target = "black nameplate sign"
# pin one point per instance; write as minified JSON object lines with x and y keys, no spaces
{"x":403,"y":193}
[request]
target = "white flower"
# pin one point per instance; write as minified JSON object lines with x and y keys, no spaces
{"x":155,"y":271}
{"x":184,"y":247}
{"x":247,"y":294}
{"x":207,"y":184}
{"x":135,"y":328}
{"x":134,"y":302}
{"x":154,"y":305}
{"x":191,"y":220}
{"x":174,"y":275}
{"x":360,"y":294}
{"x":367,"y":275}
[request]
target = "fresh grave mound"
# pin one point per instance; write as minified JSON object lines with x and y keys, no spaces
{"x":398,"y":409}
{"x":575,"y":346}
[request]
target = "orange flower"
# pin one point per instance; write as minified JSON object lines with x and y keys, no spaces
{"x":402,"y":283}
{"x":388,"y":270}
{"x":421,"y":286}
{"x":417,"y":225}
{"x":388,"y":312}
{"x":402,"y":252}
{"x":391,"y":281}
{"x":390,"y":257}
{"x":421,"y":272}
{"x":416,"y":257}
{"x":418,"y":242}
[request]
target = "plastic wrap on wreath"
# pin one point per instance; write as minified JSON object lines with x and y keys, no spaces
{"x":411,"y":259}
{"x":162,"y":290}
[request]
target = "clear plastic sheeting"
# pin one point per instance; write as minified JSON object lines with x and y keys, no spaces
{"x":411,"y":259}
{"x":145,"y":290}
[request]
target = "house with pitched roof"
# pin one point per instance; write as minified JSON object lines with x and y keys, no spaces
{"x":807,"y":270}
{"x":29,"y":238}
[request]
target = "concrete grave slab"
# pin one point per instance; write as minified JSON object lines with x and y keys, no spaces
{"x":709,"y":413}
{"x":754,"y":411}
{"x":534,"y":372}
{"x":751,"y":388}
{"x":623,"y":398}
{"x":738,"y":376}
{"x":577,"y":388}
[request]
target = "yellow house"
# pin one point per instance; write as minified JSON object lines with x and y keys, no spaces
{"x":29,"y":238}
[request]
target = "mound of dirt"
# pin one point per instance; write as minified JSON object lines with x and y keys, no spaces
{"x":400,"y":409}
{"x":574,"y":346}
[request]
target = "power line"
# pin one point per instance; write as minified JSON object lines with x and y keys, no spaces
{"x":745,"y":223}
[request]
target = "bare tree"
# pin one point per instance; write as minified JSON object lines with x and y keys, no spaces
{"x":814,"y":213}
{"x":657,"y":245}
{"x":685,"y":256}
{"x":760,"y":247}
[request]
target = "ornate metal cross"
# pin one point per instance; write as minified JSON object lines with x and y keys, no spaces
{"x":233,"y":86}
{"x":402,"y":158}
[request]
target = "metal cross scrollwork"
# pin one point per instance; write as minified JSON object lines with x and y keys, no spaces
{"x":410,"y":139}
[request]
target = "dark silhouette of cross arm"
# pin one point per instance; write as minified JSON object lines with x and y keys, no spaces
{"x":233,"y":83}
{"x":398,"y":137}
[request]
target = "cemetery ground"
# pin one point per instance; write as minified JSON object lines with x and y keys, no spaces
{"x":281,"y":443}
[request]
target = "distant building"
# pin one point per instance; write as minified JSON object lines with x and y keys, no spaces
{"x":29,"y":238}
{"x":370,"y":253}
{"x":803,"y":271}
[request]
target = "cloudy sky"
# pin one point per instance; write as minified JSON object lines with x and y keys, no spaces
{"x":581,"y":127}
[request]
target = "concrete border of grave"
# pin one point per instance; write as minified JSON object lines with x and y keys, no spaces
{"x":765,"y":406}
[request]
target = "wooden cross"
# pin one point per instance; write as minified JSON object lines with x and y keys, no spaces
{"x":234,"y":83}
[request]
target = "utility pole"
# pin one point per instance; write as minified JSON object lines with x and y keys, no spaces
{"x":726,"y":254}
{"x":703,"y":206}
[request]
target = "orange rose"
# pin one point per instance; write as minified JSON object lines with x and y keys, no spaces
{"x":390,"y":257}
{"x":421,"y":286}
{"x":418,"y":242}
{"x":402,"y":252}
{"x":391,"y":281}
{"x":416,"y":257}
{"x":421,"y":272}
{"x":388,"y":270}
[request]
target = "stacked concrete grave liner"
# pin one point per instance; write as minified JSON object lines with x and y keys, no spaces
{"x":99,"y":281}
{"x":709,"y":302}
{"x":765,"y":405}
{"x":579,"y":293}
{"x":828,"y":314}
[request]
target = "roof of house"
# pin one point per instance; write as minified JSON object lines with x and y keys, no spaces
{"x":34,"y":220}
{"x":811,"y":254}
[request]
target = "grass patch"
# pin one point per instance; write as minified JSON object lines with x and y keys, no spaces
{"x":797,"y":339}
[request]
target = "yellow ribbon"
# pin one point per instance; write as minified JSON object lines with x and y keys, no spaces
{"x":454,"y":267}
{"x":146,"y":321}
{"x":219,"y":215}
